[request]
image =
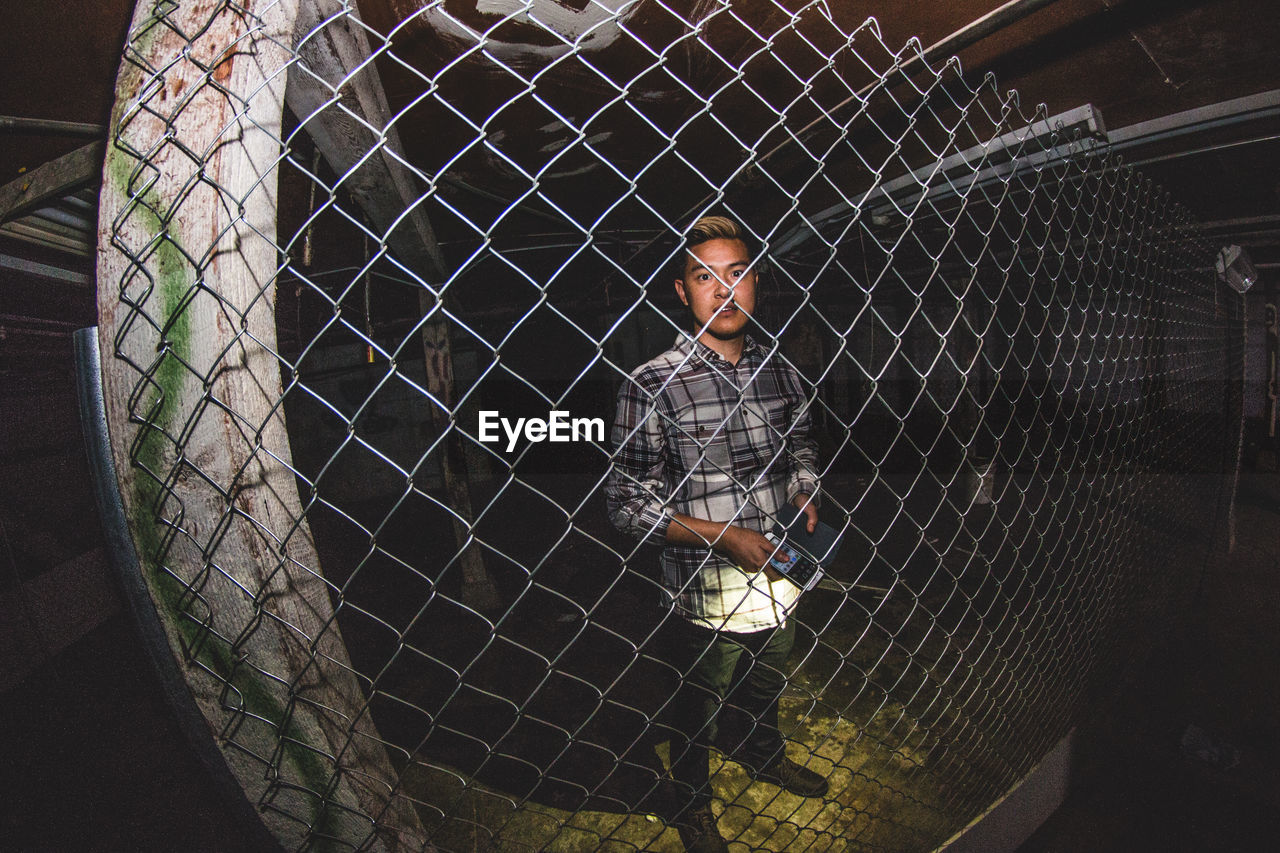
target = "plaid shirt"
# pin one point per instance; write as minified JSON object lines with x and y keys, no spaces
{"x":697,"y":435}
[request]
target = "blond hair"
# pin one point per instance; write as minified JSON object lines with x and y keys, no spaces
{"x":713,"y":228}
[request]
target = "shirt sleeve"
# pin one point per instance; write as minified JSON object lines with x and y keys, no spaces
{"x":635,"y":487}
{"x":802,"y":448}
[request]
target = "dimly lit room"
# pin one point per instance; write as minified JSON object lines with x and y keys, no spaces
{"x":621,"y":425}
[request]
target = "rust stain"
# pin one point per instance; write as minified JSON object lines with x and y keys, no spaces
{"x":222,"y":70}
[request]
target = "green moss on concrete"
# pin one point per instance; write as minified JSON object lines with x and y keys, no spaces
{"x":154,"y":453}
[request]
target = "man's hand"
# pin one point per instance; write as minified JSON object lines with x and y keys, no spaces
{"x":750,"y":550}
{"x":805,"y":503}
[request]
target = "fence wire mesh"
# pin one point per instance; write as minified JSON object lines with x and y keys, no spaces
{"x":1019,"y":382}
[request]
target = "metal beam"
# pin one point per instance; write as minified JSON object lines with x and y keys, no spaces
{"x":8,"y":262}
{"x":1208,"y":149}
{"x":1223,"y":114}
{"x":19,"y":124}
{"x":36,"y":235}
{"x":1240,"y":223}
{"x":996,"y":159}
{"x":54,"y":179}
{"x":1208,"y":117}
{"x":336,"y":93}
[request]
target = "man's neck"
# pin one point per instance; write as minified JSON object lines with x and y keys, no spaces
{"x":730,"y":350}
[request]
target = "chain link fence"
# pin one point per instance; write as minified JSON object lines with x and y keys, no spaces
{"x":334,"y":238}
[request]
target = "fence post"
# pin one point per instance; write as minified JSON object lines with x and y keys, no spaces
{"x":187,"y":265}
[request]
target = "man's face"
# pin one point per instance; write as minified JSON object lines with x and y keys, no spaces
{"x":719,"y":286}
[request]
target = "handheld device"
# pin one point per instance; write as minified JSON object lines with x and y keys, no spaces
{"x":809,"y":553}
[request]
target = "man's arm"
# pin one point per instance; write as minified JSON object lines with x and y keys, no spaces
{"x":747,"y":549}
{"x":634,"y":489}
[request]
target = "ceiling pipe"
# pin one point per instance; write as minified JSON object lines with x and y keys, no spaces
{"x":975,"y":31}
{"x":1208,"y":149}
{"x":19,"y":124}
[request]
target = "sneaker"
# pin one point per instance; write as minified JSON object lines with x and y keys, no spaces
{"x":793,"y":777}
{"x":698,"y":831}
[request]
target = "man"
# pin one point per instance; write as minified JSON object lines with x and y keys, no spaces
{"x":712,"y":442}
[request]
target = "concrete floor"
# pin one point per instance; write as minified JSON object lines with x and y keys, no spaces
{"x":1135,"y":788}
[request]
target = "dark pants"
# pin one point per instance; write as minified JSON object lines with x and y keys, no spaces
{"x":728,"y":696}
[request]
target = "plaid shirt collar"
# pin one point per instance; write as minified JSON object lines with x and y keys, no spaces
{"x":685,"y":344}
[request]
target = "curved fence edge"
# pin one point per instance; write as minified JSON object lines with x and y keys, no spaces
{"x":141,"y":608}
